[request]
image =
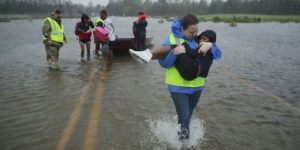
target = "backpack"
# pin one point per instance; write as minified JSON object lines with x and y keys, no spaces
{"x":101,"y":34}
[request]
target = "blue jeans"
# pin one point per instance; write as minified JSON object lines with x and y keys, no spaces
{"x":185,"y":104}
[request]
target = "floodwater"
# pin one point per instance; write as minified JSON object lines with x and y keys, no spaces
{"x":251,"y":101}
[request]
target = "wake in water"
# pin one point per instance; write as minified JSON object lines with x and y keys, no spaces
{"x":165,"y":132}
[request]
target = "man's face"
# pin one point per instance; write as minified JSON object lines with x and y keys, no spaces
{"x":57,"y":16}
{"x":103,"y":16}
{"x":191,"y":31}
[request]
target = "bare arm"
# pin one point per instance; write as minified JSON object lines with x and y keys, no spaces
{"x":160,"y":52}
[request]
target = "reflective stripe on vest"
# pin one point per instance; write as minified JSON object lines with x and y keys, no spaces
{"x":57,"y":32}
{"x":172,"y":75}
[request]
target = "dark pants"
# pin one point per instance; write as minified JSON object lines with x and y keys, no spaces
{"x":185,"y":104}
{"x":110,"y":46}
{"x":140,"y":43}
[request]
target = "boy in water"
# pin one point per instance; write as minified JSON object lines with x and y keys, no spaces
{"x":101,"y":38}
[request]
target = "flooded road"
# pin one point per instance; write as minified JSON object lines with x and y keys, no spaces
{"x":251,"y":100}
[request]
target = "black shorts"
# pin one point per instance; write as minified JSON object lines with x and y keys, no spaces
{"x":84,"y":41}
{"x":111,"y":44}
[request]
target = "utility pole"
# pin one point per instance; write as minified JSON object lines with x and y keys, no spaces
{"x":60,"y":3}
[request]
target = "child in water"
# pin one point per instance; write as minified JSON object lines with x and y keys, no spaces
{"x":83,"y":30}
{"x":101,"y":38}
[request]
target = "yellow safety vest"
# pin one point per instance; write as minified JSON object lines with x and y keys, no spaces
{"x":174,"y":78}
{"x":57,"y":32}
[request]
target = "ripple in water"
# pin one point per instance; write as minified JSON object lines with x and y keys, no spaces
{"x":165,"y":132}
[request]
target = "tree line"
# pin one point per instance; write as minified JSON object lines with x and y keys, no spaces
{"x":157,"y":8}
{"x":163,"y":8}
{"x":43,"y":7}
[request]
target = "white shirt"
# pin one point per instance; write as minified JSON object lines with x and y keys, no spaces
{"x":110,"y":28}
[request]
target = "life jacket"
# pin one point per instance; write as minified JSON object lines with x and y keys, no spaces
{"x":101,"y":34}
{"x":85,"y":35}
{"x":84,"y":32}
{"x":57,"y":31}
{"x":172,"y":75}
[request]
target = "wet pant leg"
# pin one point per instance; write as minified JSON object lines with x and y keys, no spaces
{"x":141,"y":43}
{"x":194,"y":99}
{"x":52,"y":56}
{"x":185,"y":104}
{"x":110,"y":46}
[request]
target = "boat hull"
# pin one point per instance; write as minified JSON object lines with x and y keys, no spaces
{"x":122,"y":45}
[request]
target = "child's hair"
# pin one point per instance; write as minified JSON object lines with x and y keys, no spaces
{"x":212,"y":36}
{"x":84,"y":16}
{"x":104,"y":12}
{"x":141,"y":13}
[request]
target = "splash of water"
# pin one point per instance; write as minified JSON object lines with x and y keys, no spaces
{"x":165,"y":132}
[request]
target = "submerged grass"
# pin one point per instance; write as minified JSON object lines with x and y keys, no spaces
{"x":227,"y":18}
{"x":9,"y":17}
{"x":4,"y":20}
{"x":15,"y":16}
{"x":234,"y":19}
{"x":249,"y":18}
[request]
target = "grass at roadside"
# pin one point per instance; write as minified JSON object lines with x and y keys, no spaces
{"x":228,"y":18}
{"x":249,"y":18}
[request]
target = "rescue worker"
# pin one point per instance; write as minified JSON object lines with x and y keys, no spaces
{"x":53,"y":38}
{"x":139,"y":31}
{"x":185,"y":94}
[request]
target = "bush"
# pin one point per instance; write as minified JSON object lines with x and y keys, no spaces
{"x":216,"y":19}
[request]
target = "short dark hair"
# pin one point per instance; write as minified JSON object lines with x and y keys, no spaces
{"x":84,"y":16}
{"x":141,"y":13}
{"x":188,"y":20}
{"x":103,"y":12}
{"x":56,"y":11}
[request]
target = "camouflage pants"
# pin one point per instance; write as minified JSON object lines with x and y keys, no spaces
{"x":52,"y":56}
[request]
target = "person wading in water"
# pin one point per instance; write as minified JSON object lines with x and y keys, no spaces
{"x":53,"y":38}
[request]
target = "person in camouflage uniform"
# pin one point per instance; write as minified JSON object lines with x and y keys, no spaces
{"x":53,"y":32}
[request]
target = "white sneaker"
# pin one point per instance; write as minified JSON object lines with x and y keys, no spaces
{"x":136,"y":59}
{"x":141,"y":56}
